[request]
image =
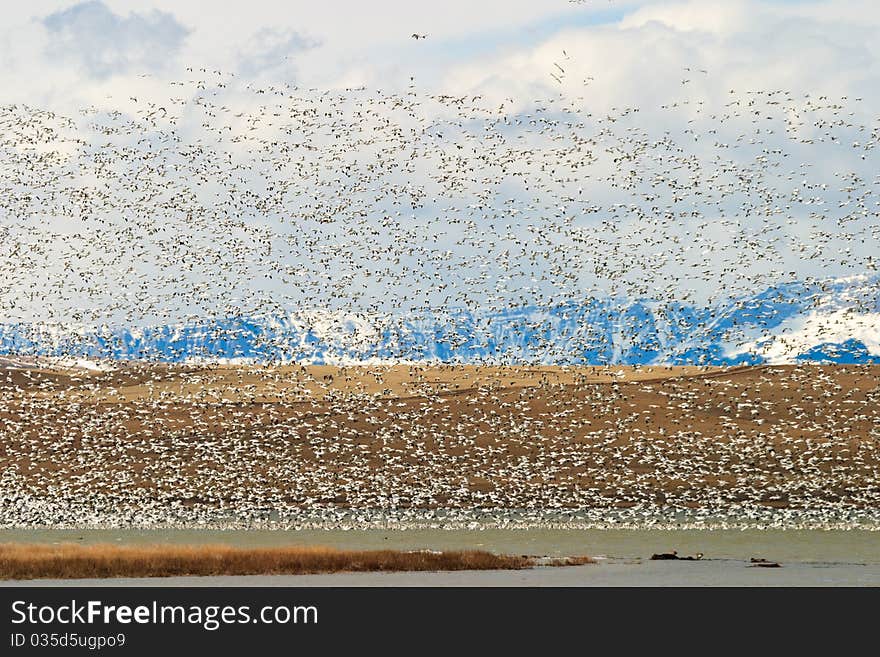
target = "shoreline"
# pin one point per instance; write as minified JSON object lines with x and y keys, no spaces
{"x":334,"y":519}
{"x":651,"y":574}
{"x":777,"y":544}
{"x":27,"y":561}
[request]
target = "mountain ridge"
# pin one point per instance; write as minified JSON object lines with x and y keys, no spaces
{"x":832,"y":321}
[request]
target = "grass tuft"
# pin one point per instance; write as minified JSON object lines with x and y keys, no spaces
{"x":69,"y":561}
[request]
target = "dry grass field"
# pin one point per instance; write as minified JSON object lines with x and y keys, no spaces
{"x":68,"y":561}
{"x":138,"y":382}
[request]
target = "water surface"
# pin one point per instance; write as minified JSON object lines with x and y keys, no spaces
{"x":787,"y":546}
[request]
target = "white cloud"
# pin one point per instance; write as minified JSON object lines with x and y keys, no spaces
{"x":642,"y":59}
{"x":104,"y":43}
{"x":273,"y":50}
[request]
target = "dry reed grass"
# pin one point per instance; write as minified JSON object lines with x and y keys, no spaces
{"x":67,"y":561}
{"x":567,"y":561}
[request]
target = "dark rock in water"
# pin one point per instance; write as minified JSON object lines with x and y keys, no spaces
{"x":665,"y":556}
{"x":758,"y":562}
{"x":673,"y":556}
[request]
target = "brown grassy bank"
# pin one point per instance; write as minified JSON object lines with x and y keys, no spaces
{"x":68,"y":561}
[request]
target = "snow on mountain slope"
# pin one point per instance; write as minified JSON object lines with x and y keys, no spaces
{"x":824,"y":321}
{"x":799,"y":335}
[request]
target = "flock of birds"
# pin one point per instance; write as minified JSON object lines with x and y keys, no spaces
{"x":233,"y":199}
{"x":230,"y":199}
{"x":231,"y":446}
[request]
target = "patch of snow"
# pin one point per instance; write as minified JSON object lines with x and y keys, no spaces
{"x":798,"y":335}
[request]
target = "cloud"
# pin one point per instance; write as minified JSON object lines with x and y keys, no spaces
{"x":655,"y":55}
{"x":105,"y":44}
{"x":271,"y":49}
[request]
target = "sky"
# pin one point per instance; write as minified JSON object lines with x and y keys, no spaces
{"x":57,"y":52}
{"x":679,"y":65}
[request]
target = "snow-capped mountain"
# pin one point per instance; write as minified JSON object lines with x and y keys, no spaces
{"x":823,"y":321}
